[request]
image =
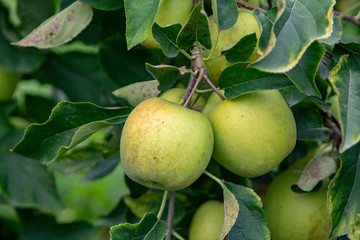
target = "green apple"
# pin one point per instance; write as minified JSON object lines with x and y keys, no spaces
{"x":165,"y":145}
{"x":207,"y":221}
{"x":171,"y":12}
{"x":246,"y":24}
{"x":175,"y":95}
{"x":294,"y":216}
{"x":8,"y":82}
{"x":252,"y":133}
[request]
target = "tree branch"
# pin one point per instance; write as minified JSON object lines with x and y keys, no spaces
{"x":208,"y":81}
{"x":170,"y":216}
{"x":351,"y":19}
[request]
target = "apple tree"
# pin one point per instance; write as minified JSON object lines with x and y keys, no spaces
{"x":169,"y":119}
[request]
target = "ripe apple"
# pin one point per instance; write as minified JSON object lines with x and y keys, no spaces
{"x":171,"y":12}
{"x":207,"y":221}
{"x":165,"y":145}
{"x":246,"y":24}
{"x":8,"y":82}
{"x":252,"y":133}
{"x":294,"y":216}
{"x":175,"y":95}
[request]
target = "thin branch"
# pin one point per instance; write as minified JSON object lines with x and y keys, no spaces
{"x":170,"y":216}
{"x":249,"y":6}
{"x":195,"y":66}
{"x":200,"y":76}
{"x":348,"y":18}
{"x":208,"y":81}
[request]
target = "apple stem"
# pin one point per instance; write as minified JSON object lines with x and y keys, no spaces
{"x":162,"y":206}
{"x":208,"y":81}
{"x":170,"y":216}
{"x":218,"y":180}
{"x":178,"y":236}
{"x":200,"y":76}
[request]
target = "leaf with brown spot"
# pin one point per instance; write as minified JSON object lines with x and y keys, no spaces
{"x":60,"y":28}
{"x":317,"y":169}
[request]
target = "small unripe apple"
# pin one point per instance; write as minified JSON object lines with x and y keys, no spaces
{"x":171,"y":12}
{"x":8,"y":82}
{"x":175,"y":95}
{"x":246,"y":24}
{"x":294,"y":216}
{"x":253,"y":133}
{"x":165,"y":145}
{"x":207,"y":221}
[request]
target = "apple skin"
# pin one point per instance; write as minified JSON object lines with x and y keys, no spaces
{"x":246,"y":24}
{"x":207,"y":221}
{"x":165,"y":145}
{"x":175,"y":95}
{"x":252,"y":133}
{"x":8,"y":82}
{"x":171,"y":12}
{"x":293,"y":216}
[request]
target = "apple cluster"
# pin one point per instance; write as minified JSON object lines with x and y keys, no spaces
{"x":165,"y":145}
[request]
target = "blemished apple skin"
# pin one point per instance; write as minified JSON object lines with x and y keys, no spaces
{"x":253,"y":133}
{"x":175,"y":95}
{"x":165,"y":145}
{"x":294,"y":216}
{"x":207,"y":221}
{"x":8,"y":83}
{"x":246,"y":24}
{"x":171,"y":12}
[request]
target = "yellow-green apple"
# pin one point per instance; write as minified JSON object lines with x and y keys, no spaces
{"x":165,"y":145}
{"x":171,"y":12}
{"x":253,"y":133}
{"x":294,"y":216}
{"x":8,"y":82}
{"x":246,"y":24}
{"x":207,"y":221}
{"x":175,"y":95}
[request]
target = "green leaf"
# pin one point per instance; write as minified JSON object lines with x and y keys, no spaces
{"x":137,"y":92}
{"x":267,"y":21}
{"x":239,"y":79}
{"x":68,"y":125}
{"x":60,"y":28}
{"x":105,"y":5}
{"x":355,"y":231}
{"x":225,"y":13}
{"x":309,"y":124}
{"x":344,"y":192}
{"x":298,"y":24}
{"x":292,"y":95}
{"x":32,"y":15}
{"x":17,"y":59}
{"x":250,"y":222}
{"x":316,"y":170}
{"x":149,"y":228}
{"x":79,"y":75}
{"x":45,"y":227}
{"x":336,"y":33}
{"x":195,"y":29}
{"x":345,"y":79}
{"x":151,"y":201}
{"x":166,"y":37}
{"x":124,"y":67}
{"x":167,"y":75}
{"x":84,"y":200}
{"x":242,"y":50}
{"x":140,"y":15}
{"x":303,"y":74}
{"x":26,"y":183}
